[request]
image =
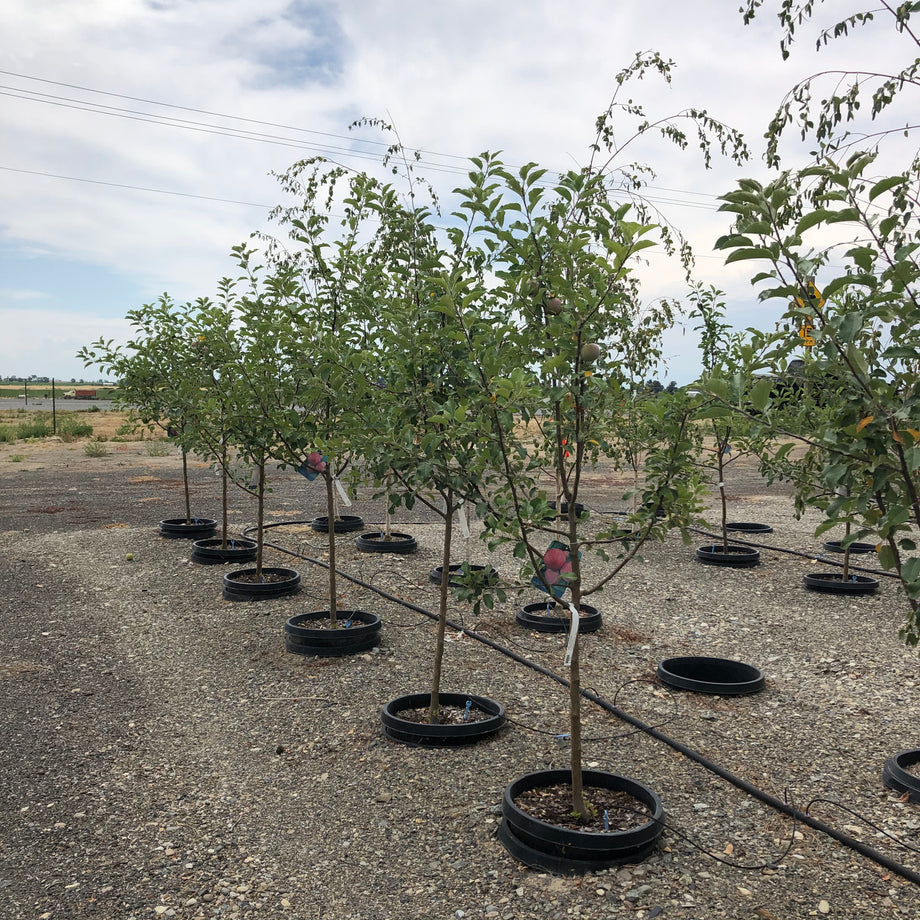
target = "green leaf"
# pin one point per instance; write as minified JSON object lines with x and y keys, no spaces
{"x":885,"y":185}
{"x":760,"y":393}
{"x":754,"y":252}
{"x":813,"y":218}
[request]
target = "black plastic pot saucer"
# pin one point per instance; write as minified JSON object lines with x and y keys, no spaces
{"x":547,"y":617}
{"x":562,"y":850}
{"x":896,"y":775}
{"x":426,"y":734}
{"x":278,"y":582}
{"x":455,"y":574}
{"x":749,"y":527}
{"x":374,"y":542}
{"x":716,"y":676}
{"x":836,"y":546}
{"x":734,"y":557}
{"x":346,"y":523}
{"x":357,"y":631}
{"x":833,"y":583}
{"x":211,"y":552}
{"x":196,"y":529}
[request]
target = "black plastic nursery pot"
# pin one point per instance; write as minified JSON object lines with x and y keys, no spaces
{"x":376,"y":541}
{"x":455,"y":574}
{"x":276,"y":582}
{"x":212,"y":552}
{"x":732,"y":556}
{"x":357,"y":631}
{"x":547,"y":617}
{"x":347,"y":523}
{"x":427,"y":734}
{"x":834,"y":583}
{"x":561,"y":850}
{"x":196,"y":529}
{"x":564,"y":512}
{"x":749,"y":527}
{"x":836,"y":546}
{"x":717,"y":676}
{"x":896,"y":774}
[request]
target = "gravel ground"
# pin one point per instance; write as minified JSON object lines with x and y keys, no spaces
{"x":162,"y":756}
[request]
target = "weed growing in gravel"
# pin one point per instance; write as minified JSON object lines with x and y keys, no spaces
{"x":157,"y":448}
{"x":70,"y":429}
{"x":95,"y":449}
{"x":17,"y":458}
{"x":35,"y":429}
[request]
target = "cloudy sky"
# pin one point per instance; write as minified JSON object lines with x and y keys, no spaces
{"x":138,"y":137}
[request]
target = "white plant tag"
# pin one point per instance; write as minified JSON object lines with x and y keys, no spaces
{"x":464,"y":523}
{"x":573,"y":635}
{"x":346,"y":501}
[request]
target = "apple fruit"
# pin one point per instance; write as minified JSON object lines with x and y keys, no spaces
{"x":554,"y":306}
{"x":590,"y":351}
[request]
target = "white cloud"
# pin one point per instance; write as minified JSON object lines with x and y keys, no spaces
{"x":524,"y":76}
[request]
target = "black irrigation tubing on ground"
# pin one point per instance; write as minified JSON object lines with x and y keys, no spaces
{"x":770,"y":800}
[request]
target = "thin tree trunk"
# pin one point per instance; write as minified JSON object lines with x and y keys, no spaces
{"x":578,"y":790}
{"x":330,"y":519}
{"x":442,"y":610}
{"x":260,"y":519}
{"x":223,"y":495}
{"x":846,"y":556}
{"x":188,"y":500}
{"x":575,"y":753}
{"x":722,"y":497}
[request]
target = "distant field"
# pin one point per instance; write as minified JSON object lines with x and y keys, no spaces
{"x":43,"y":390}
{"x":28,"y":422}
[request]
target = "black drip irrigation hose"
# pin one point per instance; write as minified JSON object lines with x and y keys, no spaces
{"x":748,"y":788}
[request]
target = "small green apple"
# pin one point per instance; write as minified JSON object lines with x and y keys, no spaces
{"x":554,"y":306}
{"x":590,"y":351}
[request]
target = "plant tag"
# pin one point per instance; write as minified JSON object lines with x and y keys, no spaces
{"x":573,"y":635}
{"x":720,"y":485}
{"x":346,"y":501}
{"x":464,"y":523}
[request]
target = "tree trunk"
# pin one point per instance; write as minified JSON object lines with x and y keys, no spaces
{"x":442,"y":610}
{"x":330,"y":520}
{"x":223,"y":495}
{"x":260,"y":519}
{"x":188,"y":500}
{"x":846,"y":556}
{"x":579,"y":808}
{"x":721,"y":466}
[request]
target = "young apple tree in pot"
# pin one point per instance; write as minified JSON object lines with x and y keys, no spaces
{"x":161,"y":382}
{"x":556,"y":390}
{"x":861,"y":464}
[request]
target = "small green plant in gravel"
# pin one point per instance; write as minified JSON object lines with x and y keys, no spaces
{"x":95,"y":449}
{"x":157,"y":448}
{"x":37,"y":428}
{"x":69,"y":429}
{"x":17,"y":458}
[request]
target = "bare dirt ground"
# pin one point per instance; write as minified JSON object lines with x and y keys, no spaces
{"x":162,"y":755}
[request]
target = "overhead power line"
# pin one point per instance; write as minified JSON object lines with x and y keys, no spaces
{"x":134,"y":188}
{"x":699,"y":200}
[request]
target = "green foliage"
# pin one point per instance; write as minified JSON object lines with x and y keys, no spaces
{"x":70,"y":428}
{"x":37,"y":428}
{"x":157,"y":448}
{"x":95,"y":449}
{"x":862,"y":431}
{"x":841,"y":103}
